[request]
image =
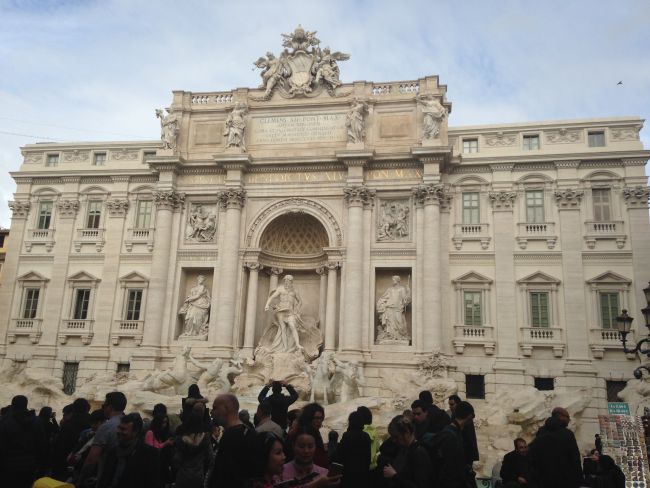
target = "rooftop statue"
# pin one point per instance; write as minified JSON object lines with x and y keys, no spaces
{"x":168,"y":128}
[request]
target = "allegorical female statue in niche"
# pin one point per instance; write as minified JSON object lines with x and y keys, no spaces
{"x":391,"y":307}
{"x":196,"y":311}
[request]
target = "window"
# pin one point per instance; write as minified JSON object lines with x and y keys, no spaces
{"x":44,"y":215}
{"x":99,"y":159}
{"x":475,"y":385}
{"x":148,"y":154}
{"x":531,"y":143}
{"x":94,"y":214}
{"x":545,"y":384}
{"x":613,"y":389}
{"x":81,"y":303}
{"x":133,"y":304}
{"x":52,"y":160}
{"x":596,"y":139}
{"x":609,"y":310}
{"x":472,"y":308}
{"x":471,"y":209}
{"x":30,"y":303}
{"x":535,"y":206}
{"x":123,"y":367}
{"x":2,"y":241}
{"x":470,"y":145}
{"x":539,"y":316}
{"x":70,"y":371}
{"x":143,"y":214}
{"x":602,"y":204}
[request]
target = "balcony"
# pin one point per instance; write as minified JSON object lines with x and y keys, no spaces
{"x":542,"y":337}
{"x":481,"y":335}
{"x":602,"y":339}
{"x":139,"y":237}
{"x":27,"y":328}
{"x":39,"y":237}
{"x":127,"y":329}
{"x":610,"y":230}
{"x":76,"y":328}
{"x":471,"y":232}
{"x":542,"y":231}
{"x":89,"y":236}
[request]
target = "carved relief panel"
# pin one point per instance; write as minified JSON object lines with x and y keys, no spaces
{"x":394,"y":220}
{"x":201,"y":225}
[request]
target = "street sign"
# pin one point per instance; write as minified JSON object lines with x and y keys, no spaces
{"x":618,"y":408}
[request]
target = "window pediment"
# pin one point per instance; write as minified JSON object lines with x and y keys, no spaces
{"x":472,"y":277}
{"x":134,"y":277}
{"x":609,"y":277}
{"x":539,"y":278}
{"x":82,"y":276}
{"x":33,"y":276}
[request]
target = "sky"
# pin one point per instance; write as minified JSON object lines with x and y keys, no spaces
{"x":80,"y":70}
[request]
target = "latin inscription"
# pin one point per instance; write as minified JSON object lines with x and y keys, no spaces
{"x":331,"y":176}
{"x":297,"y":129}
{"x":203,"y":179}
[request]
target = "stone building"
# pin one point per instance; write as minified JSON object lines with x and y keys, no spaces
{"x":516,"y":245}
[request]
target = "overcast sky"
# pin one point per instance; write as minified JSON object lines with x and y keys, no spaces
{"x":96,"y":70}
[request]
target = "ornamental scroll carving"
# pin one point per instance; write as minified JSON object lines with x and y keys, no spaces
{"x":124,"y":155}
{"x":502,"y":200}
{"x":168,"y":200}
{"x":33,"y":157}
{"x":500,"y":139}
{"x":117,"y":207}
{"x":232,"y":198}
{"x":359,"y":195}
{"x":67,"y":208}
{"x":19,"y":208}
{"x":570,"y":198}
{"x":563,"y":136}
{"x":636,"y":196}
{"x":76,"y":156}
{"x":625,"y":134}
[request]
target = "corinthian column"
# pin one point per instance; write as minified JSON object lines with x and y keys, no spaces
{"x":232,"y":200}
{"x":251,"y":306}
{"x":330,"y":312}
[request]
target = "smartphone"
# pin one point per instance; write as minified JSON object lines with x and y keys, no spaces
{"x":336,"y":469}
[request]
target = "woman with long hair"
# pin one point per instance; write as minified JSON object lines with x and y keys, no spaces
{"x":303,"y":466}
{"x":354,"y":453}
{"x":192,"y":450}
{"x":268,"y":460}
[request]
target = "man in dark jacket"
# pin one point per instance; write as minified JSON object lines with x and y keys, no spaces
{"x":132,"y":463}
{"x":68,"y":438}
{"x":449,"y":467}
{"x":554,"y":453}
{"x":279,"y":403}
{"x":23,"y":445}
{"x":517,"y":470}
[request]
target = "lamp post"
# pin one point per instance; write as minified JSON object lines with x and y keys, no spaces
{"x":624,"y":325}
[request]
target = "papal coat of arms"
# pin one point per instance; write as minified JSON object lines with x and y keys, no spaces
{"x":303,"y":68}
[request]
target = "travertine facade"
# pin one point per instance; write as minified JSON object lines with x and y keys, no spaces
{"x":514,"y":243}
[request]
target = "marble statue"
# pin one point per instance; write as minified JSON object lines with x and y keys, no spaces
{"x":202,"y":224}
{"x":235,"y":126}
{"x":177,"y":378}
{"x":196,"y":311}
{"x":286,"y":313}
{"x":434,"y":113}
{"x":393,"y":221}
{"x":391,"y":308}
{"x":274,"y":71}
{"x":209,"y":373}
{"x":327,"y":69}
{"x":319,"y":376}
{"x":354,"y":121}
{"x":168,"y":128}
{"x":637,"y":394}
{"x":348,"y":379}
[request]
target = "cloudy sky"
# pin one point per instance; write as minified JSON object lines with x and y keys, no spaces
{"x":95,"y":70}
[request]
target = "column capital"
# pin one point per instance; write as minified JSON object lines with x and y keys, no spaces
{"x":321,"y":270}
{"x":356,"y":196}
{"x":232,"y":197}
{"x":428,"y":194}
{"x":254,"y":266}
{"x":274,"y":271}
{"x":569,"y":198}
{"x":67,"y":208}
{"x":19,"y":208}
{"x":333,"y":265}
{"x":117,"y":207}
{"x":168,"y":199}
{"x":502,"y":200}
{"x":636,"y":196}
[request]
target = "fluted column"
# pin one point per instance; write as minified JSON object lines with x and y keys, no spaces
{"x":330,"y":312}
{"x":322,"y":297}
{"x":166,"y":203}
{"x":232,"y":200}
{"x":251,"y":306}
{"x":352,"y":329}
{"x":418,"y":316}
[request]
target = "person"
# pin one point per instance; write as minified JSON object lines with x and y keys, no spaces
{"x":233,"y":456}
{"x":450,"y":468}
{"x":106,"y":436}
{"x":437,"y":417}
{"x":78,"y":455}
{"x":48,"y":419}
{"x":368,"y":428}
{"x":268,"y":460}
{"x":554,"y":452}
{"x":391,"y":306}
{"x":332,"y":444}
{"x":193,"y":396}
{"x":245,"y":417}
{"x":598,"y":443}
{"x":312,"y":416}
{"x":159,"y":436}
{"x":130,"y":463}
{"x":600,"y":471}
{"x":354,"y":453}
{"x":304,"y":464}
{"x":68,"y":437}
{"x":23,"y":445}
{"x":470,"y":444}
{"x":410,"y":466}
{"x":516,"y":469}
{"x":428,"y":420}
{"x":264,"y":421}
{"x":192,"y":451}
{"x":286,"y":316}
{"x":279,"y":402}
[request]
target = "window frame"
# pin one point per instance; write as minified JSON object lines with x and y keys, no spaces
{"x":613,"y":313}
{"x":97,"y":217}
{"x":473,"y":211}
{"x":137,"y":213}
{"x":539,"y":282}
{"x":472,"y":319}
{"x":538,"y":317}
{"x":52,"y":160}
{"x":479,"y":394}
{"x":470,"y":145}
{"x":127,"y":306}
{"x":527,"y":138}
{"x":33,"y":310}
{"x":473,"y":282}
{"x":598,"y":216}
{"x":96,"y":161}
{"x":607,"y":282}
{"x":594,"y":133}
{"x":29,"y":280}
{"x":39,"y":215}
{"x":132,"y":282}
{"x":81,"y":281}
{"x":541,"y":206}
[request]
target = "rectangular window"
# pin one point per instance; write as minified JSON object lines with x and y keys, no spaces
{"x":608,"y":310}
{"x":613,"y":389}
{"x":70,"y":371}
{"x":123,"y":367}
{"x":596,"y":139}
{"x":472,"y":305}
{"x":52,"y":160}
{"x":471,"y":209}
{"x":143,"y":214}
{"x":545,"y":384}
{"x":470,"y":145}
{"x":475,"y":385}
{"x":149,"y":154}
{"x":531,"y":143}
{"x":30,"y":304}
{"x":133,"y":305}
{"x":81,"y":302}
{"x":99,"y":159}
{"x":602,"y":204}
{"x":44,"y":215}
{"x":2,"y":241}
{"x":539,"y":313}
{"x":94,"y":214}
{"x":535,"y":207}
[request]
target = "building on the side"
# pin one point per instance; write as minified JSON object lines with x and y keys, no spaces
{"x":4,"y":234}
{"x":516,"y":245}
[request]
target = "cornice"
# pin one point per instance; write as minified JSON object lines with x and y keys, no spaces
{"x":392,"y":164}
{"x":36,"y":258}
{"x":298,"y":168}
{"x":138,"y":257}
{"x":393,"y":252}
{"x":607,"y":256}
{"x":487,"y":257}
{"x":90,"y":258}
{"x":191,"y":254}
{"x":537,"y":256}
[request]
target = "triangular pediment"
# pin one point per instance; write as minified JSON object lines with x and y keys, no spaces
{"x":610,"y":277}
{"x":134,"y":276}
{"x":32,"y":276}
{"x":472,"y":277}
{"x":540,"y":278}
{"x":82,"y":276}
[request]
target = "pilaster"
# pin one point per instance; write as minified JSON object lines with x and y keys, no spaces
{"x":636,"y":201}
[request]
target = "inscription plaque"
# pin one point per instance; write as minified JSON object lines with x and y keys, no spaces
{"x":297,"y":129}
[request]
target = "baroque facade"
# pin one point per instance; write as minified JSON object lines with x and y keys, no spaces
{"x":507,"y":248}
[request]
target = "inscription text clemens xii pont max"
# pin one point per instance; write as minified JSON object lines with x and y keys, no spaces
{"x":286,"y":129}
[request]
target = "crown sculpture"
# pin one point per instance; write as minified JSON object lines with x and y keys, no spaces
{"x":303,"y":68}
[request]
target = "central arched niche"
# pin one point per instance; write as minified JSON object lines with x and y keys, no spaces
{"x":294,"y":234}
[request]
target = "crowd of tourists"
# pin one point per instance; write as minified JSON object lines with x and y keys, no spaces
{"x":220,"y":446}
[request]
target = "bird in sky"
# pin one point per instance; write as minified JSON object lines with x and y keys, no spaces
{"x":619,"y":83}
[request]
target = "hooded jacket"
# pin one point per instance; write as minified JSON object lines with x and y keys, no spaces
{"x":555,"y":456}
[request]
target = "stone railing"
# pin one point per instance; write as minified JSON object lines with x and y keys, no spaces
{"x":89,"y":236}
{"x":471,"y":232}
{"x":602,"y":339}
{"x":127,"y":329}
{"x":39,"y":236}
{"x":612,"y":230}
{"x":208,"y":98}
{"x":139,"y":236}
{"x":405,"y":88}
{"x":542,"y":231}
{"x":474,"y":334}
{"x":25,"y":327}
{"x":550,"y":337}
{"x":76,"y":328}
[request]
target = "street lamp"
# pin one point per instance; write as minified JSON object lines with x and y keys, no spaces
{"x":624,"y":325}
